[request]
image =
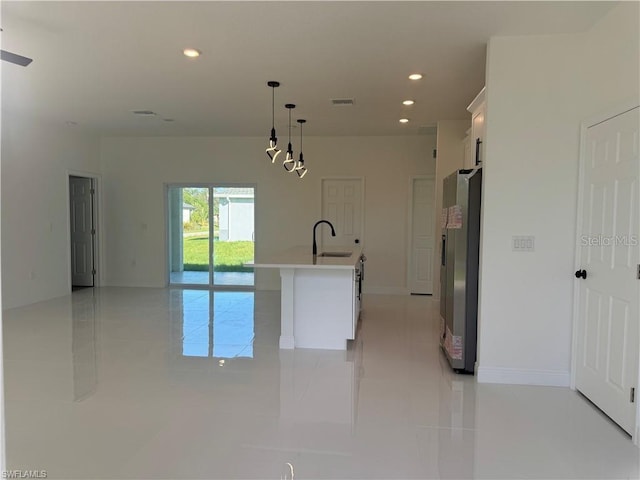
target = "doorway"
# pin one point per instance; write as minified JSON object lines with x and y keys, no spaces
{"x":421,"y":236}
{"x":607,"y":304}
{"x":211,"y":235}
{"x":82,"y":223}
{"x":343,"y":206}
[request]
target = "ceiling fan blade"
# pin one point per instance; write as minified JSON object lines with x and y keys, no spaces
{"x":15,"y":58}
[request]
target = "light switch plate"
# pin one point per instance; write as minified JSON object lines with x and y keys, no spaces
{"x":523,"y":243}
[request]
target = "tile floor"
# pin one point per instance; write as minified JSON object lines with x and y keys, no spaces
{"x":219,"y":278}
{"x":129,"y":383}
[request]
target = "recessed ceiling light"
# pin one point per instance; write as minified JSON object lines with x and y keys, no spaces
{"x":191,"y":52}
{"x":404,"y":120}
{"x":415,"y":76}
{"x":408,"y":102}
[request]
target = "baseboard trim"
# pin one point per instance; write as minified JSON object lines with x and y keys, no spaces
{"x":386,"y":290}
{"x":287,"y":342}
{"x":515,"y":376}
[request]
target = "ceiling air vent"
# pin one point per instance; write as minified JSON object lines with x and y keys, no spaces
{"x":342,"y":101}
{"x":144,"y":113}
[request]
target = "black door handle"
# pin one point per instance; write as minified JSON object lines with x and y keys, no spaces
{"x":357,"y":240}
{"x":581,"y":274}
{"x":478,"y":159}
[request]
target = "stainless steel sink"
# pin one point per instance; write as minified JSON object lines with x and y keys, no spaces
{"x":335,"y":254}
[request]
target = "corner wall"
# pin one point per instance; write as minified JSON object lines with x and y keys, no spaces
{"x":135,"y":171}
{"x":539,"y":89}
{"x":36,"y":159}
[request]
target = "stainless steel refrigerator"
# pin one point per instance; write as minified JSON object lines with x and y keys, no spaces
{"x":460,"y":221}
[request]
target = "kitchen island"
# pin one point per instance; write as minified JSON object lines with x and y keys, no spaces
{"x":320,"y":297}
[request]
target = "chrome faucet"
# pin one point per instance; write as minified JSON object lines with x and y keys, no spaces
{"x":315,"y":245}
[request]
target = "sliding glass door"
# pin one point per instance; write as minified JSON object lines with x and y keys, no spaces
{"x":189,"y":238}
{"x":211,"y":235}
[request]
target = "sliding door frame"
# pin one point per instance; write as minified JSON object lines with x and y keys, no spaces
{"x":211,"y":186}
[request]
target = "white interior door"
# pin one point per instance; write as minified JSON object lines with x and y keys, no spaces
{"x":342,"y":205}
{"x":422,"y":236}
{"x":82,"y":231}
{"x":608,"y":316}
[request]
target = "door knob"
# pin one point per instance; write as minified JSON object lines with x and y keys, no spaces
{"x":581,"y":274}
{"x":357,"y":240}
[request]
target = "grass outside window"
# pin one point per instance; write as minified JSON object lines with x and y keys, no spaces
{"x":229,"y":256}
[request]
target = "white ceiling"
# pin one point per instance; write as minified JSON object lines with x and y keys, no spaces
{"x":95,"y":62}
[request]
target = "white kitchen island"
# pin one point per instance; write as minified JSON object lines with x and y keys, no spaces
{"x":320,"y":302}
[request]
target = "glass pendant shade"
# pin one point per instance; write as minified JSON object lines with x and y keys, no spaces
{"x":301,"y":170}
{"x":289,"y":163}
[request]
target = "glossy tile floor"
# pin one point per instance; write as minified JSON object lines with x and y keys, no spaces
{"x":219,"y":278}
{"x":131,"y":383}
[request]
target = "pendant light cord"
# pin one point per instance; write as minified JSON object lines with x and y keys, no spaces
{"x":300,"y":169}
{"x":273,"y":107}
{"x":273,"y":150}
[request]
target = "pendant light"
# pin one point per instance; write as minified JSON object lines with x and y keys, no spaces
{"x":289,"y":163}
{"x":273,"y":149}
{"x":301,"y":170}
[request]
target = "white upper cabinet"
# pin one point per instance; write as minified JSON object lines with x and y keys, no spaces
{"x":477,"y":109}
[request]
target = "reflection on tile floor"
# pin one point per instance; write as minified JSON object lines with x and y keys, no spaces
{"x":231,"y":335}
{"x":219,"y":278}
{"x":130,"y":383}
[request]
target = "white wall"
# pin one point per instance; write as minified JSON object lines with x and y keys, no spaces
{"x":36,"y":158}
{"x":450,"y":135}
{"x":3,"y":450}
{"x":136,"y":169}
{"x":539,"y":89}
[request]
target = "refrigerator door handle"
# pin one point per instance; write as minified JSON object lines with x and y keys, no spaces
{"x":443,"y":260}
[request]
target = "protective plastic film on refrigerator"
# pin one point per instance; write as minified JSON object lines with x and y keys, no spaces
{"x":459,"y":268}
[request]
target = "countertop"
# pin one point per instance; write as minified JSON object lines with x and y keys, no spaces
{"x":301,"y":257}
